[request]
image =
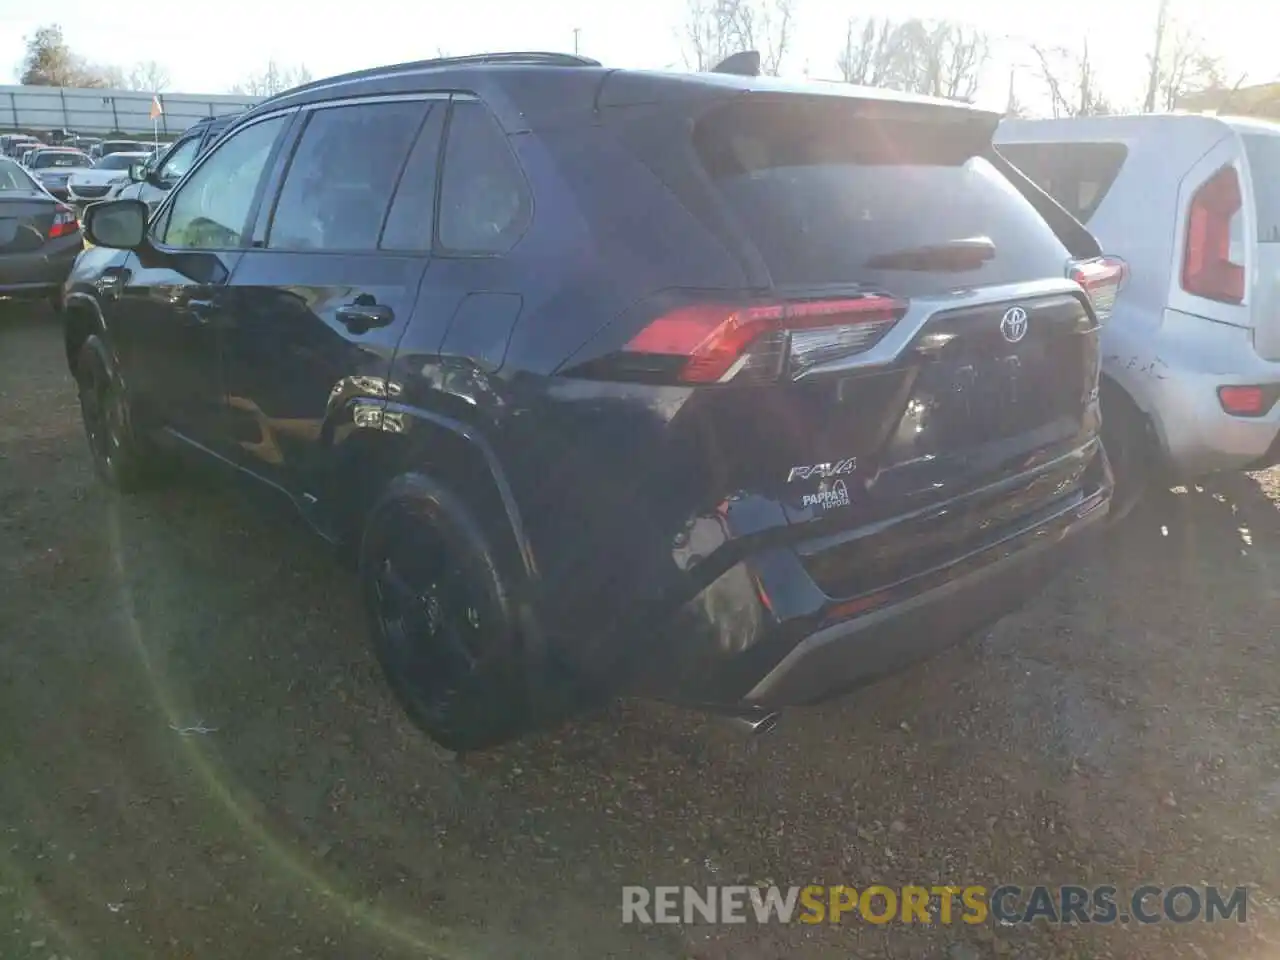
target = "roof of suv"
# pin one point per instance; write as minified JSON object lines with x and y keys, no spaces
{"x":1121,"y":127}
{"x":521,"y":87}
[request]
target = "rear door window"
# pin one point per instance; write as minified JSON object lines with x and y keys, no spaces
{"x":1077,"y":175}
{"x":828,"y":198}
{"x":412,"y":214}
{"x":1263,"y":152}
{"x":340,"y":181}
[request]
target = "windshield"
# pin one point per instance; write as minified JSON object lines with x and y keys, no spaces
{"x":13,"y":179}
{"x":1263,"y":152}
{"x":47,"y":159}
{"x":120,"y":146}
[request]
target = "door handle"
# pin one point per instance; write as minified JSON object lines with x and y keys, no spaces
{"x":360,"y":317}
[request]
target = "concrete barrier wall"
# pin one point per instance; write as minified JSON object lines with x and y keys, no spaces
{"x":90,"y":111}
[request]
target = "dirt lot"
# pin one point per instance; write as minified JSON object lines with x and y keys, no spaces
{"x":199,"y":759}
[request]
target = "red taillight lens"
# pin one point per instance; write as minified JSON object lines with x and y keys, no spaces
{"x":1248,"y":401}
{"x":1102,"y":278}
{"x":64,"y":223}
{"x":1207,"y":268}
{"x":717,"y":342}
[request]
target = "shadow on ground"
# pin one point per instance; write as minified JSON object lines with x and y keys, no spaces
{"x":199,"y":756}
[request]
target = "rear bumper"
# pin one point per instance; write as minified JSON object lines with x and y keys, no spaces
{"x":764,"y":635}
{"x":987,"y":587}
{"x":40,"y":273}
{"x":1177,"y":386}
{"x":1199,"y":437}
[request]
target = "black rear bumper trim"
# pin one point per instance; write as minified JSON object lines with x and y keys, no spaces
{"x":897,"y":633}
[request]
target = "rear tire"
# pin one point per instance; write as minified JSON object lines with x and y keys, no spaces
{"x":1131,"y":449}
{"x":122,"y":458}
{"x":441,"y":619}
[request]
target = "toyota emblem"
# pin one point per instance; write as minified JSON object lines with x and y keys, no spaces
{"x":1013,"y":325}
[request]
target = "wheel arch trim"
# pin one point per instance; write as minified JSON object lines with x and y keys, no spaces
{"x":404,"y":420}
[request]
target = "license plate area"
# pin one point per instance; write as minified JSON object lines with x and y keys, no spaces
{"x":977,"y":395}
{"x":979,"y":388}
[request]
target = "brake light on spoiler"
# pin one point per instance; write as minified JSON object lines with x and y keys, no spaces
{"x":1102,"y":278}
{"x":705,"y":343}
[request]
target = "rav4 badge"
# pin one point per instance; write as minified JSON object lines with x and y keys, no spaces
{"x":823,"y":471}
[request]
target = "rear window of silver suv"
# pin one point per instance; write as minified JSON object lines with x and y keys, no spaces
{"x":1263,"y":152}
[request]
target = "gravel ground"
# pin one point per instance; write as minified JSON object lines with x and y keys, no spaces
{"x":199,"y":759}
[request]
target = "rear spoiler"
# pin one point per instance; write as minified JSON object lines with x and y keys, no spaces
{"x":1080,"y":243}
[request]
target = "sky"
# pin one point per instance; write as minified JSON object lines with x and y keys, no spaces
{"x":238,"y":37}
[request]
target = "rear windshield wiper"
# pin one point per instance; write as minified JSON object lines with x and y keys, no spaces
{"x":967,"y":253}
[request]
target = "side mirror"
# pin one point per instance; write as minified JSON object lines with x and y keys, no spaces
{"x":121,"y":224}
{"x":137,"y":172}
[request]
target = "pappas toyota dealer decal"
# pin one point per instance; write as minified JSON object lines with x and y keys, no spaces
{"x":837,"y":495}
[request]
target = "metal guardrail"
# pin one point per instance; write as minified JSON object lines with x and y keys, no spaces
{"x":98,"y":111}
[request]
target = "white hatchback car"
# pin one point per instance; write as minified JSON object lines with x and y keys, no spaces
{"x":95,"y":183}
{"x":1191,"y":368}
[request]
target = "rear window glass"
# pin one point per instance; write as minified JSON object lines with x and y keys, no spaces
{"x":119,"y":161}
{"x":1077,"y":175}
{"x":823,"y":195}
{"x":1264,"y":167}
{"x":44,"y":160}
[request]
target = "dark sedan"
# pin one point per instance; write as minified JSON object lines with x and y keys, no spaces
{"x":39,"y":236}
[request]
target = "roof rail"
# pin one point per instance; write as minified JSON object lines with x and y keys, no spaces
{"x":531,"y":57}
{"x":520,"y":56}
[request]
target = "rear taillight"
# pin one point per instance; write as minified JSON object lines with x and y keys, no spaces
{"x":64,"y":223}
{"x":720,"y":342}
{"x":1207,"y":268}
{"x":1102,"y":278}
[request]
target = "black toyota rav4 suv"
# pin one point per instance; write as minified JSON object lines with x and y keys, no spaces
{"x":710,"y":388}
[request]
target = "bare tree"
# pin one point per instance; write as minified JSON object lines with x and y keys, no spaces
{"x":1154,"y":58}
{"x":939,"y":58}
{"x":1014,"y":107}
{"x":112,"y":77}
{"x":1071,"y":81}
{"x":870,"y":52}
{"x":274,"y":78}
{"x":149,"y":76}
{"x":1184,"y":68}
{"x":952,"y":57}
{"x":716,"y":29}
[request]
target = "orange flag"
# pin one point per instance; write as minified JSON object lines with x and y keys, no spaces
{"x":156,"y":109}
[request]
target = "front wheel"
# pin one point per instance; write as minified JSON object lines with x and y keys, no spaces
{"x":121,"y":458}
{"x":440,"y":618}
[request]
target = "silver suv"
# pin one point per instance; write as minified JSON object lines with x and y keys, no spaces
{"x":1192,"y":349}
